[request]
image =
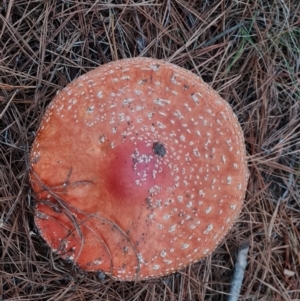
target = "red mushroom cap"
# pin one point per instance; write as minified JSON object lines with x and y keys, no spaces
{"x":139,"y":169}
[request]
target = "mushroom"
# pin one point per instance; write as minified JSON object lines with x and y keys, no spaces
{"x":139,"y":169}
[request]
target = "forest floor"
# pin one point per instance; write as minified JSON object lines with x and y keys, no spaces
{"x":248,"y":51}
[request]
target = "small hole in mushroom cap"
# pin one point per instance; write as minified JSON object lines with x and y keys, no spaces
{"x":90,"y":109}
{"x":159,"y":149}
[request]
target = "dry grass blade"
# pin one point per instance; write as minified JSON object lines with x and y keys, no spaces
{"x":249,"y":51}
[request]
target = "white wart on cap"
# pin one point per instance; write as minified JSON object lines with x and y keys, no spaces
{"x":139,"y":169}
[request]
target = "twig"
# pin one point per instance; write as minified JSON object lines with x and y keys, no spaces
{"x":8,"y":103}
{"x":2,"y":220}
{"x":238,"y":274}
{"x":141,"y":39}
{"x":222,"y":34}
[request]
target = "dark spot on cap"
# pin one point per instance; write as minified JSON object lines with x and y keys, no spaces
{"x":159,"y":149}
{"x":148,"y":201}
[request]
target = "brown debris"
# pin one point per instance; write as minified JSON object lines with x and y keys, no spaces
{"x":46,"y":44}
